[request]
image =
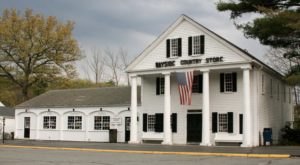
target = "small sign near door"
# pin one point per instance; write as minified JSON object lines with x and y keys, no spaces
{"x":116,"y":120}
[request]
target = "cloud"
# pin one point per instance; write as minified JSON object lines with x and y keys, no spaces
{"x":133,"y":24}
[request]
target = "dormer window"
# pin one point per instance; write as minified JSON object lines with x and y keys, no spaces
{"x":196,"y":45}
{"x":173,"y":47}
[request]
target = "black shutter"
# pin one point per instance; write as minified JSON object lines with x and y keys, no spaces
{"x":179,"y":47}
{"x":190,"y":46}
{"x":159,"y":122}
{"x":222,"y":82}
{"x":214,"y":122}
{"x":145,"y":122}
{"x":157,"y":85}
{"x":234,"y":87}
{"x":202,"y":43}
{"x":241,"y":123}
{"x":230,"y":122}
{"x":174,"y":122}
{"x":168,"y":47}
{"x":200,"y":82}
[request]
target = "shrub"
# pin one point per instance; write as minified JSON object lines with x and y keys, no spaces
{"x":290,"y":136}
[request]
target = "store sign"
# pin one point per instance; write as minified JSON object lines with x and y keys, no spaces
{"x":191,"y":61}
{"x":116,"y":120}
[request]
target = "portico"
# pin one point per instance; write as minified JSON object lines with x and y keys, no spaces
{"x":204,"y":103}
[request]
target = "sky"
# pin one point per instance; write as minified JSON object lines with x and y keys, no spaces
{"x":134,"y":24}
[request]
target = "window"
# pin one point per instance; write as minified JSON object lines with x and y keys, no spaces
{"x":228,"y":82}
{"x":160,"y":85}
{"x":101,"y":122}
{"x":74,"y":122}
{"x":195,"y":87}
{"x":196,"y":45}
{"x":174,"y":47}
{"x":151,"y":123}
{"x":49,"y":122}
{"x":262,"y":84}
{"x":223,"y":122}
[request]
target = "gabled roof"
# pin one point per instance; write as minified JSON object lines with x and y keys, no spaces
{"x":88,"y":97}
{"x":227,"y":43}
{"x":6,"y":111}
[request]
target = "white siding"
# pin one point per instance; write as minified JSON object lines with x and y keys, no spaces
{"x":213,"y":48}
{"x":87,"y":133}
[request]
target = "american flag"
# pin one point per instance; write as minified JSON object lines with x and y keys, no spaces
{"x":185,"y":83}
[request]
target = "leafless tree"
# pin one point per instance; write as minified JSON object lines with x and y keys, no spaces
{"x":96,"y":64}
{"x":112,"y":61}
{"x":275,"y":58}
{"x":124,"y":61}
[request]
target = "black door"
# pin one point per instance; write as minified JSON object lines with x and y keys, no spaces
{"x":194,"y":127}
{"x":26,"y":127}
{"x":127,"y":129}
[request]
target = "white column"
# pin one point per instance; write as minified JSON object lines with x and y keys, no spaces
{"x":247,"y":140}
{"x":38,"y":123}
{"x":133,"y":121}
{"x":61,"y":117}
{"x":167,"y":111}
{"x":87,"y":121}
{"x":205,"y":110}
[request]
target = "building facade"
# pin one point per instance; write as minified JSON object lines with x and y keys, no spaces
{"x":8,"y":116}
{"x":234,"y":95}
{"x":75,"y":115}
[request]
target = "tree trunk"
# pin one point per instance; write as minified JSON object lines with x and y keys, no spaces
{"x":25,"y":93}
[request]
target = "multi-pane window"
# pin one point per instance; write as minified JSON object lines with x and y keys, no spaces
{"x":161,"y":85}
{"x":49,"y":122}
{"x":101,"y":122}
{"x":228,"y":82}
{"x":174,"y":47}
{"x":197,"y":45}
{"x":223,"y":122}
{"x":151,"y":123}
{"x":195,"y":87}
{"x":262,"y":84}
{"x":74,"y":122}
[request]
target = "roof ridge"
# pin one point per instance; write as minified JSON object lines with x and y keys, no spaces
{"x":91,"y":88}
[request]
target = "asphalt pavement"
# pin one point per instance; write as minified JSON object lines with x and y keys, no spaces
{"x":293,"y":151}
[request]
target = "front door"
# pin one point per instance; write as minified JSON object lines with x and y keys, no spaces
{"x":26,"y":127}
{"x":194,"y":127}
{"x":127,"y":129}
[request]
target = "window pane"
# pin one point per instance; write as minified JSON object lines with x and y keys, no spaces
{"x":151,"y":123}
{"x":71,"y":122}
{"x":52,"y":123}
{"x":195,"y":87}
{"x":223,"y":123}
{"x":196,"y":44}
{"x":228,"y":82}
{"x":174,"y":47}
{"x":46,"y":122}
{"x":162,"y":85}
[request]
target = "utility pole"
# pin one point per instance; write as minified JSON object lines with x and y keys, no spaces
{"x":3,"y":125}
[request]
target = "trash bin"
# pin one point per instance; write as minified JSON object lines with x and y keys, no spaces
{"x":12,"y":135}
{"x":267,"y":135}
{"x":113,"y":135}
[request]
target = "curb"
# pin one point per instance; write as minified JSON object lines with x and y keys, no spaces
{"x":153,"y":152}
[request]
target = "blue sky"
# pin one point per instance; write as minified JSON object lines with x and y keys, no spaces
{"x":134,"y":24}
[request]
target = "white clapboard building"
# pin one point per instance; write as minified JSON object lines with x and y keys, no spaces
{"x":7,"y":115}
{"x":234,"y":95}
{"x":75,"y":115}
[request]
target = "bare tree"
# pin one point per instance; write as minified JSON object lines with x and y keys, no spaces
{"x":124,"y":61}
{"x":113,"y":63}
{"x":276,"y":59}
{"x":96,"y":65}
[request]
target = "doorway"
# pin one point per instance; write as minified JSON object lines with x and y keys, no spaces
{"x":26,"y":127}
{"x":127,"y":129}
{"x":194,"y":128}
